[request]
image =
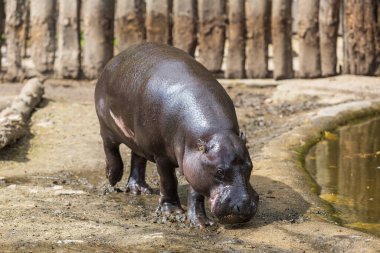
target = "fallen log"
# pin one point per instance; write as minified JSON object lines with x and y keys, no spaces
{"x":14,"y":119}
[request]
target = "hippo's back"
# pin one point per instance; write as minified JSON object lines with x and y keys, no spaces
{"x":142,"y":62}
{"x":162,"y":90}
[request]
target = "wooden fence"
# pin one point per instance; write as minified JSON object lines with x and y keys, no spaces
{"x":75,"y":39}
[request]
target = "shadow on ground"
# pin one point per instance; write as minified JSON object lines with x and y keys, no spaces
{"x":278,"y":202}
{"x":17,"y":151}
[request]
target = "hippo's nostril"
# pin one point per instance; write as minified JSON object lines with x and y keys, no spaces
{"x":236,"y":209}
{"x":254,"y":208}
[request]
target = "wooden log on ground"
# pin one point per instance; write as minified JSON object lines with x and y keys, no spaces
{"x":68,"y":51}
{"x":184,"y":25}
{"x":98,"y":17}
{"x":308,"y":33}
{"x":13,"y":31}
{"x":359,"y":37}
{"x":281,"y":24}
{"x":42,"y":34}
{"x":211,"y":34}
{"x":14,"y":119}
{"x":129,"y":24}
{"x":236,"y":40}
{"x":157,"y":21}
{"x":258,"y":29}
{"x":328,"y":30}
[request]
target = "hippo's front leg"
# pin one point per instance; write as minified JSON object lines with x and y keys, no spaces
{"x":196,"y":212}
{"x":169,"y":200}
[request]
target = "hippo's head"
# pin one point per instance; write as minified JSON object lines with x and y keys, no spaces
{"x":221,"y":172}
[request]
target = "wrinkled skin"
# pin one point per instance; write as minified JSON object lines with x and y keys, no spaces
{"x":168,"y":109}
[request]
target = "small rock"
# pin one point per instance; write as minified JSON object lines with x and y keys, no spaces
{"x":57,"y":212}
{"x":44,"y":123}
{"x":12,"y":187}
{"x":57,"y":187}
{"x":69,"y":241}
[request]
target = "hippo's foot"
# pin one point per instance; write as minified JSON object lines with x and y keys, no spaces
{"x":196,"y":213}
{"x":138,"y":188}
{"x":113,"y":177}
{"x":199,"y":218}
{"x":167,"y":208}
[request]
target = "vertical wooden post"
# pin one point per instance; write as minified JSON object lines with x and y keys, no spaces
{"x":282,"y":39}
{"x":157,"y":21}
{"x":26,"y":29}
{"x":42,"y":24}
{"x":359,"y":37}
{"x":328,"y":30}
{"x":2,"y":24}
{"x":98,"y":18}
{"x":308,"y":32}
{"x":258,"y":29}
{"x":377,"y":70}
{"x":129,"y":23}
{"x":13,"y":31}
{"x":211,"y":35}
{"x":236,"y":40}
{"x":68,"y":53}
{"x":184,"y":25}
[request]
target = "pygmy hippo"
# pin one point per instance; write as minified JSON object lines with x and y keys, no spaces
{"x":169,"y":109}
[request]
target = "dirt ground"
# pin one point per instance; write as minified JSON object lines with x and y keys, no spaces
{"x":54,"y":195}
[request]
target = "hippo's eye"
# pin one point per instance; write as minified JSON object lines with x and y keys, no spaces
{"x":220,"y":173}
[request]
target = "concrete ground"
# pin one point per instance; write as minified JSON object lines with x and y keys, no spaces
{"x":54,"y":195}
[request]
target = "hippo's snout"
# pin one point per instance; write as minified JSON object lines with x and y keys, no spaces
{"x":230,"y":207}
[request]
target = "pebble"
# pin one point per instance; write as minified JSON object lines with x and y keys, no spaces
{"x":11,"y":187}
{"x":69,"y":241}
{"x":57,"y":187}
{"x":57,"y":212}
{"x":46,"y":123}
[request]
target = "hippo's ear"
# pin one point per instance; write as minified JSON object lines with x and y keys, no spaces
{"x":202,"y":146}
{"x":243,"y":137}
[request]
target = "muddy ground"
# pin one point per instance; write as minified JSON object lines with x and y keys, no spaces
{"x":54,"y":195}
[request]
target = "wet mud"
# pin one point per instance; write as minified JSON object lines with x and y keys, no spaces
{"x":55,"y":197}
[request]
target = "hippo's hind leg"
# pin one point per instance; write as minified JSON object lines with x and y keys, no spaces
{"x":196,"y":212}
{"x":136,"y":182}
{"x":169,"y":201}
{"x":114,"y":163}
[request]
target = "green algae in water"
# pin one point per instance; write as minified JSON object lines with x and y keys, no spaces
{"x":347,"y":169}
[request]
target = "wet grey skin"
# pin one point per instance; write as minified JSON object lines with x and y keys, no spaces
{"x":169,"y":109}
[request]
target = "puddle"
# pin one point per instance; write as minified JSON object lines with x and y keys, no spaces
{"x":346,"y":166}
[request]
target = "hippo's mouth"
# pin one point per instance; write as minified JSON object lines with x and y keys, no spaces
{"x":233,"y":219}
{"x":235,"y":213}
